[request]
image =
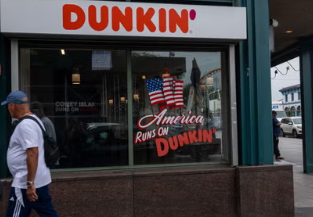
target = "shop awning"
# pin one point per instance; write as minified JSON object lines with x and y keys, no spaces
{"x":295,"y":16}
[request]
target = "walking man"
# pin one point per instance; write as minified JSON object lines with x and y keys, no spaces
{"x":276,"y":134}
{"x":26,"y":163}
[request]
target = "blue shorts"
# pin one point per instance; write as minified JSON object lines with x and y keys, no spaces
{"x":43,"y":206}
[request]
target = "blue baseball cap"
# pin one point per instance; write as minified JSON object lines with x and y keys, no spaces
{"x":16,"y":97}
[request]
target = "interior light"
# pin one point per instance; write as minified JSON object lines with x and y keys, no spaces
{"x":75,"y":78}
{"x":62,"y":51}
{"x":111,"y":101}
{"x":143,"y":77}
{"x":136,"y":97}
{"x":165,"y":72}
{"x":123,"y":99}
{"x":289,"y":31}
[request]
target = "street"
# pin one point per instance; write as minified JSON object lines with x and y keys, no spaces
{"x":291,"y":150}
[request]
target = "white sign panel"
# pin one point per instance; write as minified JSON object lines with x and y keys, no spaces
{"x":100,"y":18}
{"x":275,"y":107}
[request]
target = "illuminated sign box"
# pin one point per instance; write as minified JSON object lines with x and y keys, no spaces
{"x":101,"y":18}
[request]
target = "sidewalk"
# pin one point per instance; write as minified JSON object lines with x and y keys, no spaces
{"x":303,"y":190}
{"x":291,"y":149}
{"x":303,"y":184}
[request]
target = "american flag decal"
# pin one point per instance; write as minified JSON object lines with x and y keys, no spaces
{"x":154,"y":87}
{"x":166,"y":93}
{"x":178,"y":93}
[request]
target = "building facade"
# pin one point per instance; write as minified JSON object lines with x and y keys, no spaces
{"x":292,"y":100}
{"x":155,"y":106}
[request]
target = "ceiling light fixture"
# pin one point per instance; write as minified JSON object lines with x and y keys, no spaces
{"x":76,"y":76}
{"x":165,"y":72}
{"x":136,"y":97}
{"x":289,"y":31}
{"x":62,"y":51}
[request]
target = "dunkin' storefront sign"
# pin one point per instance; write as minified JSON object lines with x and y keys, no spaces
{"x":125,"y":19}
{"x":101,"y":18}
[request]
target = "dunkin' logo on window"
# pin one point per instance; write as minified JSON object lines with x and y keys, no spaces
{"x":130,"y":18}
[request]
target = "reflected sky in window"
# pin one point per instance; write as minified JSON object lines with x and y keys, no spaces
{"x":206,"y":63}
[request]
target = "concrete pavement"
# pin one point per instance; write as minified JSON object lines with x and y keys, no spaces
{"x":291,"y":150}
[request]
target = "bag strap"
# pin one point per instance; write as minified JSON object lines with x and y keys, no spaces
{"x":34,"y":119}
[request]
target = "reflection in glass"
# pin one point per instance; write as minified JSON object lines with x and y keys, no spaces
{"x":84,"y":94}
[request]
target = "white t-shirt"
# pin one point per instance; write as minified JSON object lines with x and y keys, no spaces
{"x":27,"y":134}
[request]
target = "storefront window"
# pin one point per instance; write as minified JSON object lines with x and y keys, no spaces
{"x":287,"y":110}
{"x":293,"y":111}
{"x":299,"y":111}
{"x":83,"y":93}
{"x":177,"y":107}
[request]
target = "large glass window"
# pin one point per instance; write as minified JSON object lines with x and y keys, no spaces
{"x":287,"y":110}
{"x":299,"y":111}
{"x":178,"y":105}
{"x":83,"y":94}
{"x":293,"y":111}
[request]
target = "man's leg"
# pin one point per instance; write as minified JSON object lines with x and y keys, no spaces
{"x":276,"y":151}
{"x":15,"y":208}
{"x":279,"y":155}
{"x":43,"y":206}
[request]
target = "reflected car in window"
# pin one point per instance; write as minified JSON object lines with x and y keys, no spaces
{"x":101,"y":144}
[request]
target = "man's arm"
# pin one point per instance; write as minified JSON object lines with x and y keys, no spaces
{"x":276,"y":122}
{"x":29,"y":139}
{"x":32,"y":164}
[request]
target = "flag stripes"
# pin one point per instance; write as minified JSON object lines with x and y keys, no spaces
{"x":178,"y":93}
{"x":166,"y":92}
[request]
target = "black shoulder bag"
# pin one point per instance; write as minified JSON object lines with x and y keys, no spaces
{"x":52,"y":153}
